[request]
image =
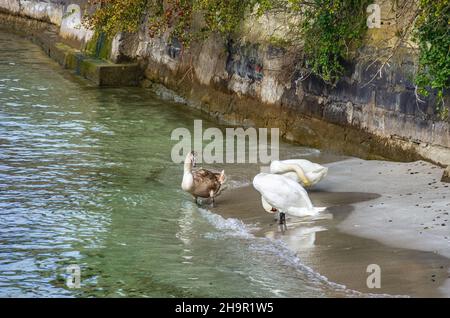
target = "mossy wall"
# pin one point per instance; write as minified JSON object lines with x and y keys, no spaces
{"x":99,"y":46}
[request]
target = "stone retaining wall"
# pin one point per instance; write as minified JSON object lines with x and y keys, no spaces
{"x":248,"y":81}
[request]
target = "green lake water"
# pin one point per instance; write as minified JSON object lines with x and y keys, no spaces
{"x":86,"y":178}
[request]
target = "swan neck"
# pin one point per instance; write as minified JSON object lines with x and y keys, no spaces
{"x":187,"y":166}
{"x":299,"y":171}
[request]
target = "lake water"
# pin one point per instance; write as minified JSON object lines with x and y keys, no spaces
{"x":86,"y":179}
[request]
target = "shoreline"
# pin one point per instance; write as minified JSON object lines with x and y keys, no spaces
{"x":414,"y":219}
{"x":353,"y":233}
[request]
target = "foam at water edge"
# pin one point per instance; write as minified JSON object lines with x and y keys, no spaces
{"x":290,"y":258}
{"x":236,"y":228}
{"x":229,"y":227}
{"x":235,"y":184}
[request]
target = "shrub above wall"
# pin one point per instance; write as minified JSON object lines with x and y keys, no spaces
{"x":328,"y":34}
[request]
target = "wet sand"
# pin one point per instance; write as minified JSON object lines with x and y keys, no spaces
{"x":340,"y":243}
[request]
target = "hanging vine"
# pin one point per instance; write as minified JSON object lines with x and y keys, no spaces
{"x":432,"y":34}
{"x":331,"y":31}
{"x":113,"y":16}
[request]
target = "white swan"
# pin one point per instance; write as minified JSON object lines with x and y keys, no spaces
{"x":282,"y":194}
{"x":300,"y":170}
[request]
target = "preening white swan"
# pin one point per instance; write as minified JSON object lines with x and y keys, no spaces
{"x":280,"y":193}
{"x":300,"y":170}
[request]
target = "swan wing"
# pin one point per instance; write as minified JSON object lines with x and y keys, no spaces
{"x":293,"y":176}
{"x":306,"y":165}
{"x":204,"y":182}
{"x":313,"y":171}
{"x":315,"y":176}
{"x":281,"y":192}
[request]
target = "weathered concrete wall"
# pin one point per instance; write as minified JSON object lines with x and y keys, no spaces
{"x":248,"y":80}
{"x":45,"y":34}
{"x":66,"y":14}
{"x":251,"y":81}
{"x":50,"y":10}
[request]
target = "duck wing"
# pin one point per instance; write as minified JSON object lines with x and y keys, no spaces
{"x":203,"y":175}
{"x":205,"y":181}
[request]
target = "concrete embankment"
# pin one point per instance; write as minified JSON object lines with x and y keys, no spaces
{"x":244,"y":81}
{"x":87,"y":64}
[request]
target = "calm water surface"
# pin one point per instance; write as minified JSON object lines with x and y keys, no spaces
{"x":86,"y":178}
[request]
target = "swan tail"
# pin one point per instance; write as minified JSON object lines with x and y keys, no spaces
{"x":305,"y":211}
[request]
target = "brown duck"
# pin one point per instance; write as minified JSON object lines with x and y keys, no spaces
{"x":201,"y":183}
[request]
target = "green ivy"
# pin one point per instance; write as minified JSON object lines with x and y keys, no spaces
{"x":432,"y":33}
{"x":222,"y":16}
{"x":219,"y":16}
{"x":331,"y":30}
{"x":113,"y":16}
{"x":173,"y":15}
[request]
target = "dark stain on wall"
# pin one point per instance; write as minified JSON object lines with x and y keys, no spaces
{"x":245,"y":61}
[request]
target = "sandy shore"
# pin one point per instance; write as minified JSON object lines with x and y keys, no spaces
{"x":412,"y":211}
{"x":386,"y":213}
